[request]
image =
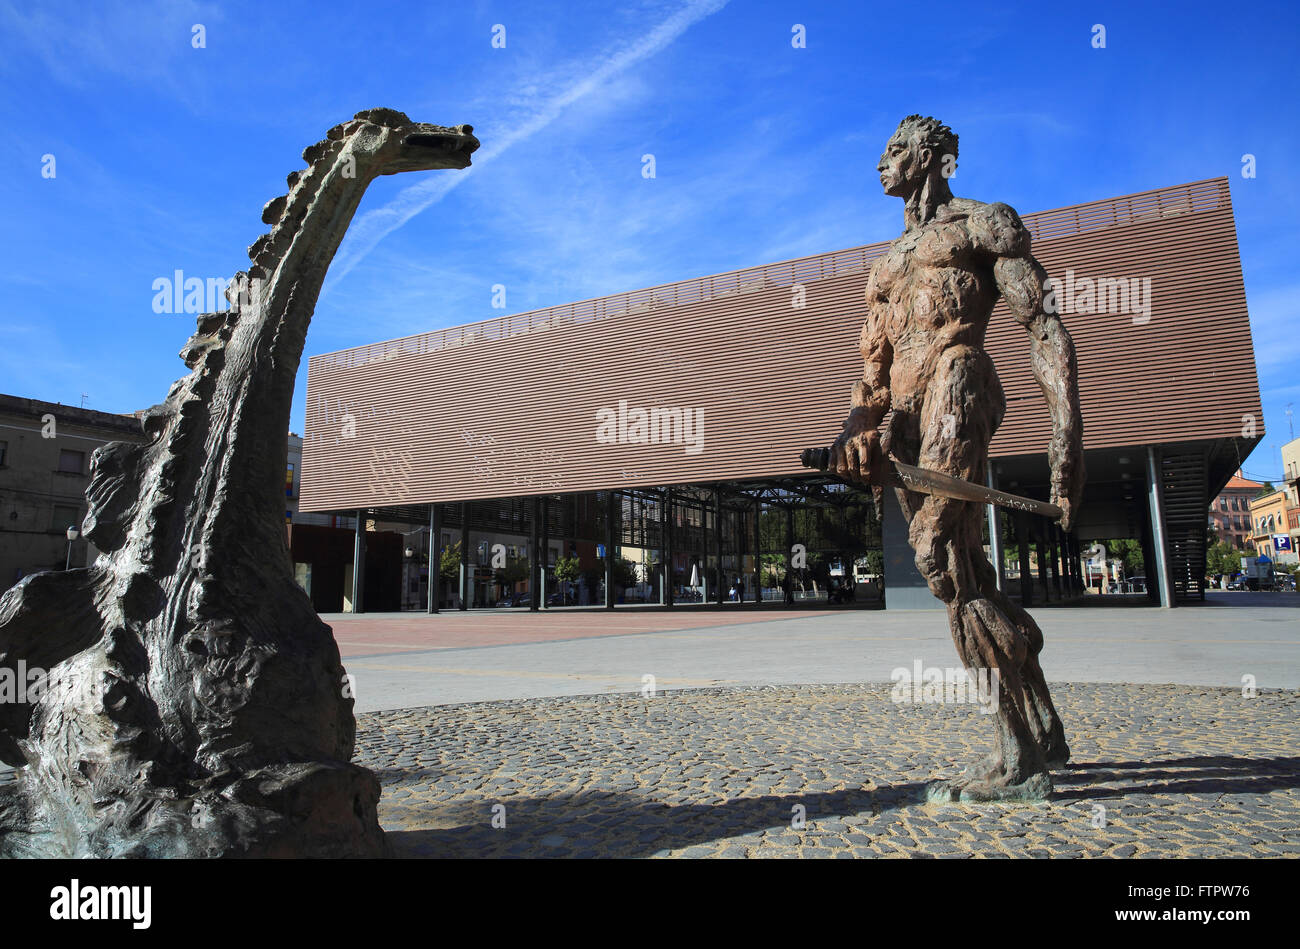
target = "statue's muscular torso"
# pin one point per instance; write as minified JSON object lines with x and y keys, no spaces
{"x":932,"y":290}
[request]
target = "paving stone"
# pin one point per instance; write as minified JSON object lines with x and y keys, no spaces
{"x":715,"y":772}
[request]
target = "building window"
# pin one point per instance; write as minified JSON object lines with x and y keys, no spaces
{"x":71,"y":462}
{"x":4,"y":453}
{"x":65,"y":516}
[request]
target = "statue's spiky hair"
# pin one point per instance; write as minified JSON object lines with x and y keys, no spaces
{"x":390,"y":118}
{"x":931,"y":132}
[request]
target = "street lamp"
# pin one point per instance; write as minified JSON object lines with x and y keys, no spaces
{"x":73,"y":534}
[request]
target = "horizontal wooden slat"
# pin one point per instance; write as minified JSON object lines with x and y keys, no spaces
{"x":509,"y":406}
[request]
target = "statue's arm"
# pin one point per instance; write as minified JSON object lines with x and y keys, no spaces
{"x":857,"y":453}
{"x":1023,"y":282}
{"x":870,"y":399}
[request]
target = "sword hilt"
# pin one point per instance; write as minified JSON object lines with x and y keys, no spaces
{"x":819,"y":458}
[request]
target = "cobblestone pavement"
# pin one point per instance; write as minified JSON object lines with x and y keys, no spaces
{"x":1179,"y":771}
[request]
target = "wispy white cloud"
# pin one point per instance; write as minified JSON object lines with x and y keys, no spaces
{"x":80,"y":44}
{"x":373,"y":226}
{"x":1274,"y":314}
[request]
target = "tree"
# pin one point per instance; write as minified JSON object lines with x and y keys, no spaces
{"x":624,"y":573}
{"x":1129,"y":551}
{"x":449,"y":562}
{"x":567,"y":570}
{"x":515,"y":570}
{"x":1221,"y":558}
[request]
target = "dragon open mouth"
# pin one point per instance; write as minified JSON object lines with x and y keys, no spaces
{"x":447,"y":142}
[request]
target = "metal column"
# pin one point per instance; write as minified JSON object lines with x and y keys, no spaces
{"x":1040,"y":542}
{"x":435,"y":564}
{"x":610,"y":513}
{"x":1072,"y":559}
{"x":1155,"y":497}
{"x":1053,"y":546}
{"x":359,"y":564}
{"x":995,"y":534}
{"x":721,"y":591}
{"x":1080,"y":577}
{"x":1026,"y":578}
{"x":544,"y":548}
{"x":535,"y":567}
{"x":788,"y":587}
{"x":465,"y":581}
{"x":667,"y":513}
{"x":758,"y":552}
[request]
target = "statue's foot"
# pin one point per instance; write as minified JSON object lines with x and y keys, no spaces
{"x":1036,"y":787}
{"x":981,"y":770}
{"x":1057,"y":755}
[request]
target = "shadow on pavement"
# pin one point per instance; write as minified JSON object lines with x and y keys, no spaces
{"x":1213,"y":774}
{"x":617,"y":824}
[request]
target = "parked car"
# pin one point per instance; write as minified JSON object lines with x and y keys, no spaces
{"x":515,"y":599}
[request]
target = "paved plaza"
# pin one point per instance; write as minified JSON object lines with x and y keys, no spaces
{"x":539,"y":722}
{"x":405,"y":660}
{"x":773,"y":733}
{"x":1158,"y":771}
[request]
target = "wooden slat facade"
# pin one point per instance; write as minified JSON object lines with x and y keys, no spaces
{"x":509,"y":406}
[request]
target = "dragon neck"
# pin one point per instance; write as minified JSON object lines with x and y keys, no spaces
{"x":220,"y":439}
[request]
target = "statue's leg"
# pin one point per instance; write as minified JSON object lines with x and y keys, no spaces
{"x":1046,"y":723}
{"x":962,"y":408}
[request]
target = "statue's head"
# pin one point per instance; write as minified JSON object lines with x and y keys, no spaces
{"x":386,"y":142}
{"x":112,"y":493}
{"x":916,"y":151}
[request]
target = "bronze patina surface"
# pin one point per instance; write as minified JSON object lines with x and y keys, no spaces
{"x":927,"y":377}
{"x":195,"y":704}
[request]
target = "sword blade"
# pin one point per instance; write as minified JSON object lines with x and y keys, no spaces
{"x":925,"y":481}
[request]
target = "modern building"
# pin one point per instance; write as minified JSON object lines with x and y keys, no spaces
{"x":1274,"y":528}
{"x":1291,"y":481}
{"x":45,"y":450}
{"x":670,"y":420}
{"x":1230,"y":513}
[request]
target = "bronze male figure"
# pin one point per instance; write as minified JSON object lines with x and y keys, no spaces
{"x":930,"y":297}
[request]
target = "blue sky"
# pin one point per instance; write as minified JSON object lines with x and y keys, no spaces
{"x":165,"y":153}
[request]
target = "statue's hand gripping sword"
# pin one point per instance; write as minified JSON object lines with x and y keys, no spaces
{"x":924,"y":481}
